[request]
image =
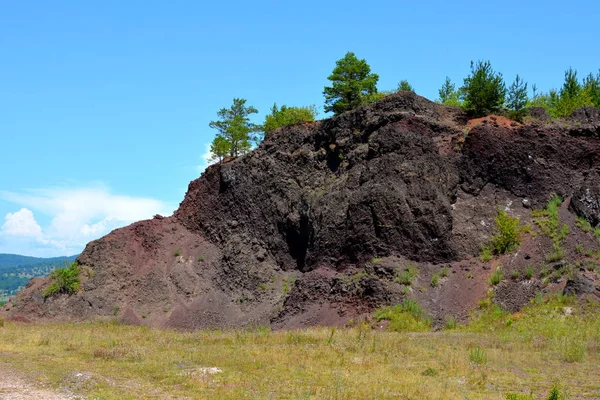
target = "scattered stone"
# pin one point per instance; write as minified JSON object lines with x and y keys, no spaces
{"x":581,"y":285}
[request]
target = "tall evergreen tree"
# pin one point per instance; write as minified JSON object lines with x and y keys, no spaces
{"x":234,"y":130}
{"x":405,"y":86}
{"x":483,"y":90}
{"x":591,"y":85}
{"x":352,"y":84}
{"x":517,"y":98}
{"x":571,"y":96}
{"x":449,"y":96}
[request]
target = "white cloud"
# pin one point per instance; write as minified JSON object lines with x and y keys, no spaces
{"x":21,"y":223}
{"x":205,"y":157}
{"x":78,"y":215}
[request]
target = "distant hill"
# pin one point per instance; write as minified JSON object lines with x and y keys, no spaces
{"x":16,"y":271}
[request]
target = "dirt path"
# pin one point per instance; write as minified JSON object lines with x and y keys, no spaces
{"x":15,"y":386}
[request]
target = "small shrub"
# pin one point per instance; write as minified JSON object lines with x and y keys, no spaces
{"x":435,"y":279}
{"x":496,"y":277}
{"x":507,"y":233}
{"x":376,"y":260}
{"x":201,"y":258}
{"x":1,"y":322}
{"x":176,"y":253}
{"x":478,"y":356}
{"x":514,"y":275}
{"x":579,"y":248}
{"x":64,"y":280}
{"x":430,"y":372}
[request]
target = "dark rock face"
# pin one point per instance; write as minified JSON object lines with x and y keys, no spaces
{"x":290,"y":234}
{"x":539,"y":113}
{"x":585,"y":202}
{"x":581,"y":285}
{"x":531,"y":162}
{"x":585,"y":121}
{"x":368,"y":183}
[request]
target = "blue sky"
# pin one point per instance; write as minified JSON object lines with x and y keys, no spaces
{"x":104,"y":106}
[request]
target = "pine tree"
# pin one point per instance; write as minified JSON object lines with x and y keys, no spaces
{"x":405,"y":86}
{"x":483,"y":91}
{"x":234,"y":127}
{"x":449,"y":96}
{"x":517,"y":99}
{"x":591,"y":85}
{"x":353,"y":84}
{"x":571,"y":96}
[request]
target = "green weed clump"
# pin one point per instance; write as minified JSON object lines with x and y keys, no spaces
{"x":407,"y":276}
{"x":548,"y":220}
{"x":529,"y":272}
{"x":572,"y":348}
{"x":435,"y":279}
{"x":585,"y":225}
{"x":451,"y":322}
{"x":478,"y":356}
{"x":407,"y":316}
{"x":64,"y":280}
{"x":486,"y":254}
{"x":555,"y":394}
{"x":496,"y":277}
{"x":519,"y":396}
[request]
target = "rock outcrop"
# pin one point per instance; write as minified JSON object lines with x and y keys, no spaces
{"x":316,"y":224}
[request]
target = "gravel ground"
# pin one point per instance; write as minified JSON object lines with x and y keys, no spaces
{"x":15,"y":386}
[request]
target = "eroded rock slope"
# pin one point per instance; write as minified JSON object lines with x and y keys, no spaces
{"x":316,"y":225}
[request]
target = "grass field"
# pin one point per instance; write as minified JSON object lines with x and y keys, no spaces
{"x":552,"y":342}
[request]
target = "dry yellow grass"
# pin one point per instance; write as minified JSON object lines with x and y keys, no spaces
{"x":524,"y":353}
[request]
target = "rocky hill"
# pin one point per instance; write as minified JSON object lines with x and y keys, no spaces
{"x":326,"y":221}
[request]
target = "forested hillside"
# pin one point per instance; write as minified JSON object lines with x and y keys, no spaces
{"x":16,"y":270}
